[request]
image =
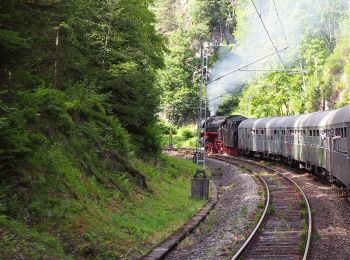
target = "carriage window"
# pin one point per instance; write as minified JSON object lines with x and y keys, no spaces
{"x":304,"y":132}
{"x":274,"y":132}
{"x":318,"y":132}
{"x":310,"y":132}
{"x":345,"y":132}
{"x":342,"y":132}
{"x":262,"y":132}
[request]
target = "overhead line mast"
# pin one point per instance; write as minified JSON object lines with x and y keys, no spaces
{"x":202,"y":114}
{"x":200,"y":154}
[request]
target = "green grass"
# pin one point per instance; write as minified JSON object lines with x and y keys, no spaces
{"x":74,"y":185}
{"x":18,"y":241}
{"x":303,"y":238}
{"x":243,"y":170}
{"x":302,"y":242}
{"x":271,"y":209}
{"x":94,"y":221}
{"x":302,"y":204}
{"x":185,"y":137}
{"x":244,"y":211}
{"x":260,"y":205}
{"x":316,"y":236}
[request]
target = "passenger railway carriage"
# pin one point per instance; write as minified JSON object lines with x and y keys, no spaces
{"x":318,"y":141}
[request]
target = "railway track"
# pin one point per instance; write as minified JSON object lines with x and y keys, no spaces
{"x":284,"y":229}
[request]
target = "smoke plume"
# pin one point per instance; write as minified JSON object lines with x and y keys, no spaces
{"x":293,"y":20}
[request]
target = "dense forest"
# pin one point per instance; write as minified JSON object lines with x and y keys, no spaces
{"x":318,"y":33}
{"x":89,"y":88}
{"x":79,"y":104}
{"x":186,"y":25}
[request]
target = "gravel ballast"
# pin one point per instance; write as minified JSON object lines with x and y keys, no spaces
{"x":227,"y":225}
{"x":331,"y":216}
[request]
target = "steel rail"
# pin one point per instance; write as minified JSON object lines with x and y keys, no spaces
{"x":308,"y":241}
{"x":251,"y":236}
{"x":249,"y":239}
{"x":267,"y":203}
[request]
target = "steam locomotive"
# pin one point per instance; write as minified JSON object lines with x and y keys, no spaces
{"x":318,"y":142}
{"x":221,"y":134}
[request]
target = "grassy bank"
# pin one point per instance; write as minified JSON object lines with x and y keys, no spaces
{"x":111,"y":226}
{"x":72,"y":184}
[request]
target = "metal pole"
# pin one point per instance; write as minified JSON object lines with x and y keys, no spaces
{"x":200,"y":182}
{"x":198,"y":142}
{"x":202,"y":114}
{"x":205,"y":100}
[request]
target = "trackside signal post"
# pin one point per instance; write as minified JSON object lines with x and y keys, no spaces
{"x":200,"y":181}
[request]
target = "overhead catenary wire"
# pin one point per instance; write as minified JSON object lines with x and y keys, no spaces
{"x":246,"y":65}
{"x":291,"y":71}
{"x":267,"y":32}
{"x":280,"y":22}
{"x":246,"y":45}
{"x":227,"y":92}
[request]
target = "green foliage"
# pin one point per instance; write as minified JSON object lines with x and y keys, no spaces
{"x":337,"y":71}
{"x":17,"y":240}
{"x":324,"y":57}
{"x":228,"y":105}
{"x":108,"y":47}
{"x":274,"y":94}
{"x":78,"y":104}
{"x":81,"y":217}
{"x":278,"y":94}
{"x":187,"y":28}
{"x":177,"y":80}
{"x":185,"y":137}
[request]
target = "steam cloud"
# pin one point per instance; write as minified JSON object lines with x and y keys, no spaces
{"x":298,"y":18}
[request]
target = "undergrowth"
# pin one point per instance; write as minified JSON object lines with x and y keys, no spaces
{"x":183,"y":137}
{"x":72,"y":186}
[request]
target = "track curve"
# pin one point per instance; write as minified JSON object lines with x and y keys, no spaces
{"x":285,"y":232}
